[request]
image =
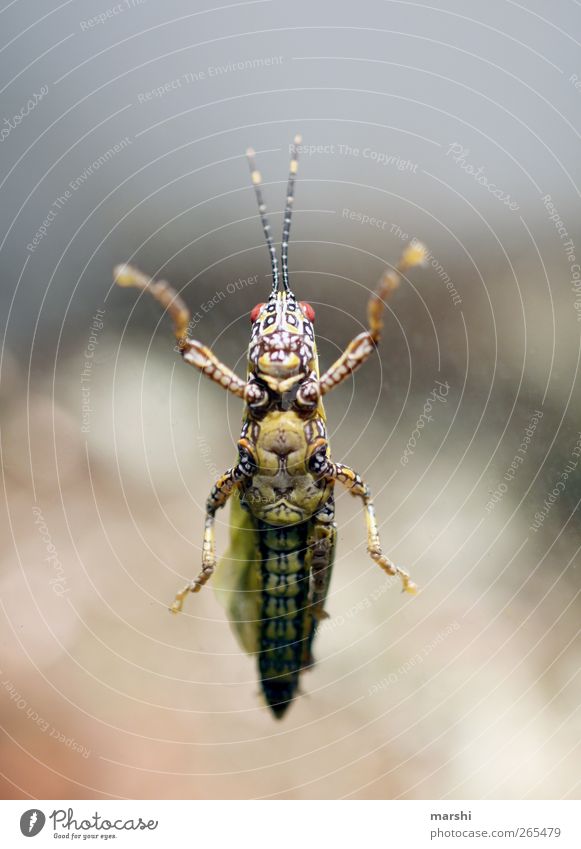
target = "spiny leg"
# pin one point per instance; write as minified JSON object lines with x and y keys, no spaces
{"x":221,"y":492}
{"x":353,"y":482}
{"x":360,"y":348}
{"x":193,"y":352}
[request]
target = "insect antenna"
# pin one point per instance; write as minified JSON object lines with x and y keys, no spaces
{"x":256,"y":182}
{"x":294,"y":164}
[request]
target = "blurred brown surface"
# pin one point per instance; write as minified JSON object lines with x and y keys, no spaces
{"x":472,"y":688}
{"x":468,"y":690}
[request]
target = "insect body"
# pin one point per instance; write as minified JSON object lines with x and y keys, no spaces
{"x":275,"y":576}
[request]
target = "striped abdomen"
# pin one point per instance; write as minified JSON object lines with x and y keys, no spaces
{"x":286,"y":623}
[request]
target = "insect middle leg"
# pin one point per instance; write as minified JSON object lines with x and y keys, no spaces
{"x":361,"y":347}
{"x":218,"y":497}
{"x":356,"y":486}
{"x":192,"y":351}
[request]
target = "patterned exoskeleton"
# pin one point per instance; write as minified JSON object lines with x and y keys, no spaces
{"x":275,"y":575}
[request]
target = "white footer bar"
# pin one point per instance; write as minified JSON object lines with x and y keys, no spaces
{"x":293,"y":824}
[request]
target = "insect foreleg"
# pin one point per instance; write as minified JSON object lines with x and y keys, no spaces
{"x":221,"y":492}
{"x":202,"y":358}
{"x":353,"y":482}
{"x":193,"y":352}
{"x":360,"y":348}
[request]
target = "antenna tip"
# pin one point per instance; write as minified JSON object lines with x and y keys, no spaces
{"x":298,"y":139}
{"x":250,"y":152}
{"x":256,"y":178}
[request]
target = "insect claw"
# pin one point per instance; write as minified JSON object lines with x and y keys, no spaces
{"x":176,"y":605}
{"x":408,"y":586}
{"x":178,"y":602}
{"x":415,"y":254}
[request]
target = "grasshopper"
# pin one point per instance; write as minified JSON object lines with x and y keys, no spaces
{"x":275,"y":575}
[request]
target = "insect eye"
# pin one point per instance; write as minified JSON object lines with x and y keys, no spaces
{"x":255,"y":312}
{"x":308,"y":311}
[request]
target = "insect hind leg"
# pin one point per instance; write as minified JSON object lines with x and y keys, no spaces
{"x":321,"y":543}
{"x":218,"y":497}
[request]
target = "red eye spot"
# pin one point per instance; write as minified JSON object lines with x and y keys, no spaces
{"x":307,"y":309}
{"x":255,"y":312}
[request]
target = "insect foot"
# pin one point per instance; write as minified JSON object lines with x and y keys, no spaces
{"x":408,"y":586}
{"x":193,"y":587}
{"x":415,"y":254}
{"x":178,"y":602}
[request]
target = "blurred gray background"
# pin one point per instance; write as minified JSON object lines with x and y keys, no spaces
{"x":123,"y":132}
